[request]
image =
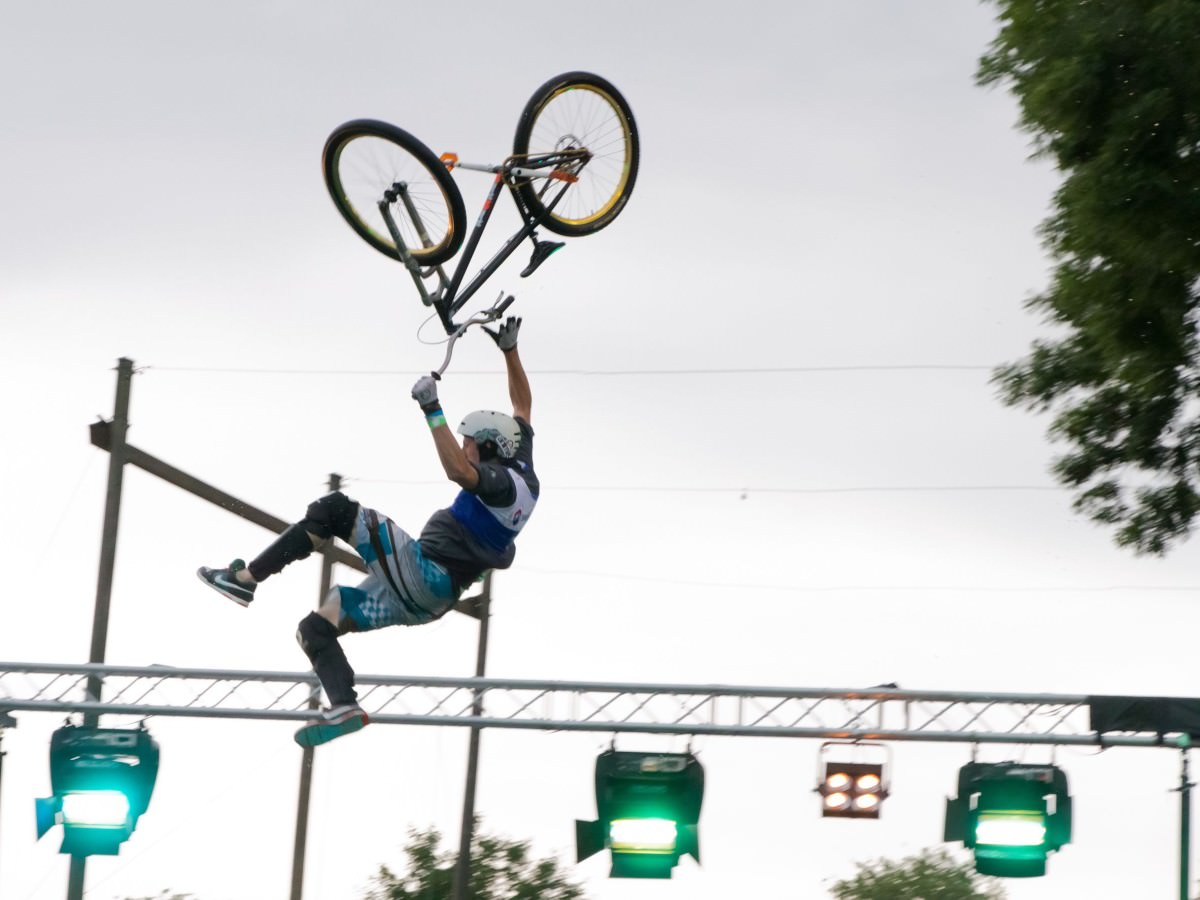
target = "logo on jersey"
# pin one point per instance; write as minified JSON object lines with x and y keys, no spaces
{"x":516,"y":519}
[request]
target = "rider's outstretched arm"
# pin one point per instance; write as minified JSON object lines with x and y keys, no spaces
{"x":450,"y":453}
{"x":518,"y":382}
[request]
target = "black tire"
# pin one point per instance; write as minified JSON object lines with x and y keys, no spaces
{"x":363,"y":159}
{"x":582,"y":110}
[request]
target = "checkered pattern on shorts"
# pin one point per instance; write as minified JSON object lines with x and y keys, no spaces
{"x":426,"y":591}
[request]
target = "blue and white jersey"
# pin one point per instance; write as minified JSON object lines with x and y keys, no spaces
{"x":496,"y":527}
{"x":477,"y":531}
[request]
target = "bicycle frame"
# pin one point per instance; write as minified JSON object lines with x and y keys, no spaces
{"x":447,"y":298}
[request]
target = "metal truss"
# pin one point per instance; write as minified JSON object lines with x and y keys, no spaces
{"x":872,"y":714}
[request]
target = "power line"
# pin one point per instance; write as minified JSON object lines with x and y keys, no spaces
{"x":757,"y":370}
{"x":877,"y":588}
{"x":748,"y":490}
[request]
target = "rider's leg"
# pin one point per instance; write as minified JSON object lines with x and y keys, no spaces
{"x":331,"y":516}
{"x":318,"y":637}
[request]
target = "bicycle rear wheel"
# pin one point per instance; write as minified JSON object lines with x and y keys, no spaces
{"x":363,"y":160}
{"x":579,"y":111}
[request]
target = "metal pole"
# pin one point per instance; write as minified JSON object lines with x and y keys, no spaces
{"x":1,"y":758}
{"x":1185,"y":821}
{"x":306,"y":758}
{"x":108,"y":557}
{"x":462,"y":870}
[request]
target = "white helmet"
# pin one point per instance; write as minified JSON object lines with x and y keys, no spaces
{"x":486,"y":425}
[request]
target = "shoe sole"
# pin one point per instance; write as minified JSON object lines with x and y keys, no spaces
{"x":220,"y":590}
{"x":316,"y":733}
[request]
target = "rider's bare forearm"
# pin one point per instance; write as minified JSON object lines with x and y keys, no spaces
{"x":518,"y":384}
{"x":453,"y":458}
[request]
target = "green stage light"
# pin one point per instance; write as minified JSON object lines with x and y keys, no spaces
{"x":648,"y":807}
{"x":1013,"y":816}
{"x":101,"y":779}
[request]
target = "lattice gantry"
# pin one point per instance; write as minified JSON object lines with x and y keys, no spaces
{"x":873,"y":714}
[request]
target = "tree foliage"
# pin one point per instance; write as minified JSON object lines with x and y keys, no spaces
{"x":930,"y":875}
{"x":501,"y":869}
{"x":1110,"y":90}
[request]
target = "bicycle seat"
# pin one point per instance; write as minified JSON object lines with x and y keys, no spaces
{"x":541,"y":252}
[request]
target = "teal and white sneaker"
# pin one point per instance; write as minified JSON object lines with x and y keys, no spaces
{"x":225,"y":581}
{"x":332,"y":723}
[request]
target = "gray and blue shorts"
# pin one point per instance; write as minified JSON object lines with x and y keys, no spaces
{"x":402,"y":587}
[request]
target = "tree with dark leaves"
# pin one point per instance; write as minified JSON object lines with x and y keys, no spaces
{"x":501,"y":869}
{"x":1110,"y":91}
{"x":930,"y":875}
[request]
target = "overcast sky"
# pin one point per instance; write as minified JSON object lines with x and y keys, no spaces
{"x":768,"y":447}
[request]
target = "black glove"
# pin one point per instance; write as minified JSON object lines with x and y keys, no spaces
{"x":506,"y":335}
{"x":425,"y":393}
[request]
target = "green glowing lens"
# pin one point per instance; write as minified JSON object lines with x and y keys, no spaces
{"x":97,"y":808}
{"x":1011,"y":829}
{"x":643,"y":835}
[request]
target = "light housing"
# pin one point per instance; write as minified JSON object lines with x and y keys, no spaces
{"x":1012,"y":816}
{"x":101,"y":781}
{"x":852,"y":790}
{"x":648,"y":810}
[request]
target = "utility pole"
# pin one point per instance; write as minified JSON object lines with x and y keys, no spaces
{"x":1185,"y":821}
{"x":6,"y":721}
{"x":306,"y":759}
{"x":108,"y":557}
{"x":111,"y":437}
{"x":462,"y":870}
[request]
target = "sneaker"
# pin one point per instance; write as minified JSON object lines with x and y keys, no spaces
{"x":332,"y":723}
{"x":225,"y":581}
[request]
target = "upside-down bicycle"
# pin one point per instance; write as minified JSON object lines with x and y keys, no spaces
{"x":572,"y":168}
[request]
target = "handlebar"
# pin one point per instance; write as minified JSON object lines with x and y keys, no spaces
{"x":491,"y":314}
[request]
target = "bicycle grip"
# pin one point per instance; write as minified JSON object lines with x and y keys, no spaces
{"x":505,"y":304}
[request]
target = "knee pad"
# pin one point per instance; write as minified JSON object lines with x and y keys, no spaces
{"x":315,"y":635}
{"x":331,"y":516}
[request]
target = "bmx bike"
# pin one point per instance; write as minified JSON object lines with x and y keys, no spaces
{"x":572,"y":168}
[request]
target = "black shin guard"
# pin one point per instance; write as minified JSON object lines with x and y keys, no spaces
{"x":331,"y":516}
{"x":290,"y":546}
{"x":319,"y":640}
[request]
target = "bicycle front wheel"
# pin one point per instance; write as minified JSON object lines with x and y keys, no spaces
{"x":367,"y":162}
{"x":572,"y":112}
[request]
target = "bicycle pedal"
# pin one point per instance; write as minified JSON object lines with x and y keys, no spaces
{"x":542,"y":251}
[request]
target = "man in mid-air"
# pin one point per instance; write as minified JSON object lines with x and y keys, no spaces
{"x":409,"y":582}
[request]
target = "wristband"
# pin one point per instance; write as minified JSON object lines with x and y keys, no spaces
{"x":434,"y":418}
